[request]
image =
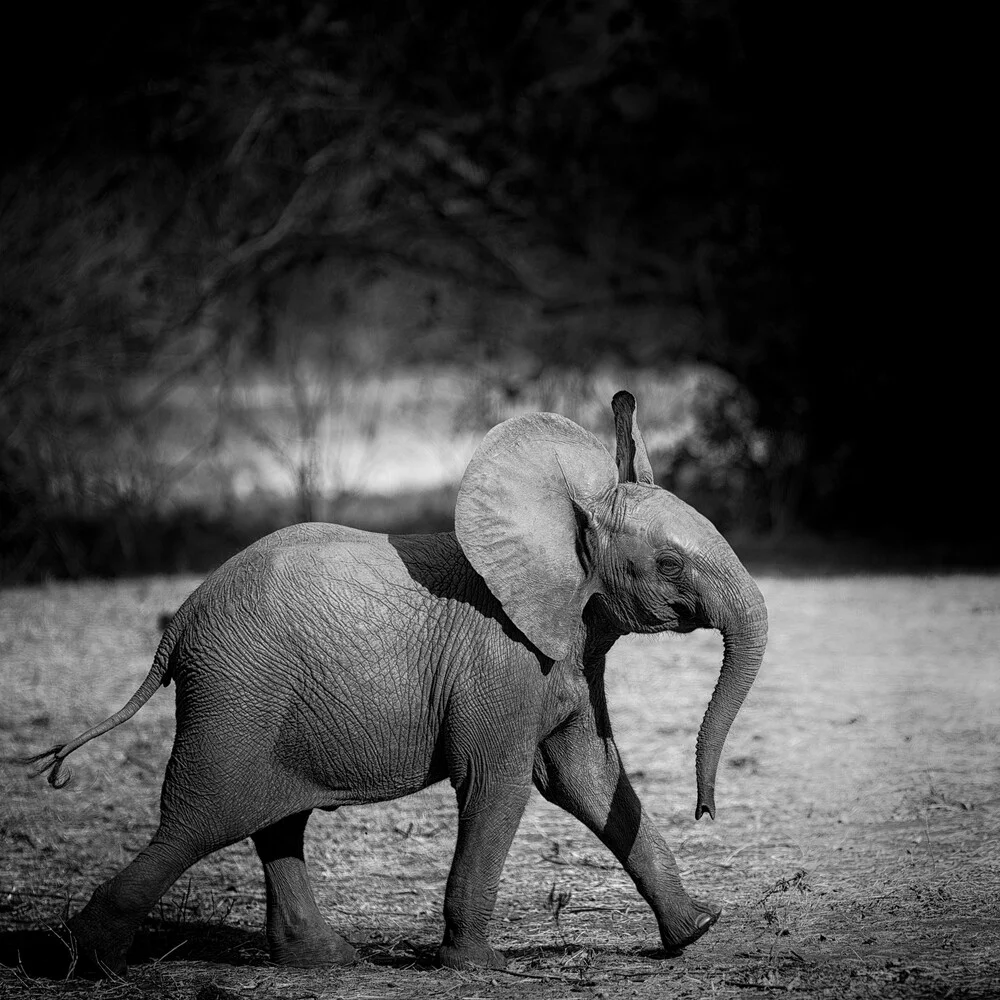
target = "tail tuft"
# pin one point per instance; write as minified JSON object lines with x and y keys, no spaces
{"x":52,"y":759}
{"x":53,"y":765}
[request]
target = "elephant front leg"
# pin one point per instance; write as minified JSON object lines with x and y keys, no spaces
{"x":487,"y":823}
{"x":582,"y":772}
{"x":297,"y":934}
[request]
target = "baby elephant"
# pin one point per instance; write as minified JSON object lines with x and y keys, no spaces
{"x":324,"y":666}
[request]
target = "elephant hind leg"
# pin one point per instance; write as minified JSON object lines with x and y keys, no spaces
{"x":297,"y":934}
{"x":196,"y":818}
{"x":104,"y":929}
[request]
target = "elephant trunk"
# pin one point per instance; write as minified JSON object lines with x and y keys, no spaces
{"x":741,"y":617}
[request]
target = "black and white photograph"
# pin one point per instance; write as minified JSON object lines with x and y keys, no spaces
{"x":496,"y":501}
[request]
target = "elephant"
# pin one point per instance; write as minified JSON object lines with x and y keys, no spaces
{"x":324,"y":666}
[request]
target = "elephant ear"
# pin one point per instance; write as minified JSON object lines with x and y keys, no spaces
{"x":518,"y":515}
{"x":630,"y":450}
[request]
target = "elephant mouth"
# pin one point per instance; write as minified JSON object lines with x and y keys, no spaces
{"x":679,"y":624}
{"x":679,"y":618}
{"x":683,"y":617}
{"x":682,"y":628}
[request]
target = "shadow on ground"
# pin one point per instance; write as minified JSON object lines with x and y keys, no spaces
{"x":45,"y":954}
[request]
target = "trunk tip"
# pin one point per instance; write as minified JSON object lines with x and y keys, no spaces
{"x":706,"y":804}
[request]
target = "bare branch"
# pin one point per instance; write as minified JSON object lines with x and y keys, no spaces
{"x":260,"y":118}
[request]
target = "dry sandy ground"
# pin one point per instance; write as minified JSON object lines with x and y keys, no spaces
{"x":855,"y":851}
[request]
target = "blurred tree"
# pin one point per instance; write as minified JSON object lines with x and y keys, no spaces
{"x":648,"y":181}
{"x":542,"y":149}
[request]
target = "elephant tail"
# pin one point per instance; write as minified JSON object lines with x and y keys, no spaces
{"x":51,"y":760}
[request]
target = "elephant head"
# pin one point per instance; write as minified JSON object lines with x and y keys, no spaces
{"x":552,"y":523}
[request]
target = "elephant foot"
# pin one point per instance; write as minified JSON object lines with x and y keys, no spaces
{"x":312,"y":950}
{"x":699,"y":919}
{"x":92,"y":955}
{"x":482,"y":956}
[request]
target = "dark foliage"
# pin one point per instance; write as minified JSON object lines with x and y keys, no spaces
{"x":652,"y":183}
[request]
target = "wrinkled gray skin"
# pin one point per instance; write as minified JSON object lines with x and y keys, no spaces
{"x":324,"y":666}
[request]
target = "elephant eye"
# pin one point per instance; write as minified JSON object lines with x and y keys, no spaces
{"x":669,"y":564}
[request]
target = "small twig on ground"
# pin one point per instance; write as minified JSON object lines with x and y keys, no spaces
{"x":166,"y":954}
{"x":781,"y":988}
{"x":540,"y":975}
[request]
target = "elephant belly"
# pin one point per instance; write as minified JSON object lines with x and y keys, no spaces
{"x":361,"y":743}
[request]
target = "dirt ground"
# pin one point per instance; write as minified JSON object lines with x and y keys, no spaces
{"x":855,"y":851}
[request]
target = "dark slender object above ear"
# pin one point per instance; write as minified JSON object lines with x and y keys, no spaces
{"x":630,"y":450}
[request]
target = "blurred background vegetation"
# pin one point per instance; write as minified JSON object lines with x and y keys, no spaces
{"x":270,"y":262}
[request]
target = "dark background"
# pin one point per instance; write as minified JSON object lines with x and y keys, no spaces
{"x":758,"y":191}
